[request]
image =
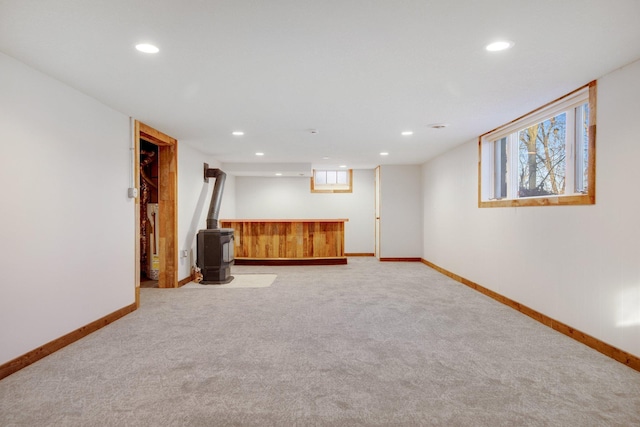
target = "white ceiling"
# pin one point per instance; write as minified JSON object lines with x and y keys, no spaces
{"x":359,"y":71}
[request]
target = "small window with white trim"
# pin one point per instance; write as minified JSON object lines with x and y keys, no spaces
{"x":332,"y":181}
{"x":546,"y":157}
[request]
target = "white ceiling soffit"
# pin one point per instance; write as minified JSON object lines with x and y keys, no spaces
{"x":361,"y":72}
{"x":267,"y":169}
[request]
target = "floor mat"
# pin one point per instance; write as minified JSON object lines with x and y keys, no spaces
{"x":239,"y":281}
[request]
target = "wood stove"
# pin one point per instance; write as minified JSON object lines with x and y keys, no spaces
{"x":215,"y":255}
{"x":215,"y":245}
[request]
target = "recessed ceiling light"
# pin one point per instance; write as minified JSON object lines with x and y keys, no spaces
{"x":237,"y":133}
{"x":259,"y":154}
{"x":407,"y":133}
{"x":499,"y":45}
{"x":384,"y":153}
{"x":278,"y":174}
{"x":326,"y":158}
{"x":438,"y":125}
{"x":343,"y":166}
{"x":147,"y":48}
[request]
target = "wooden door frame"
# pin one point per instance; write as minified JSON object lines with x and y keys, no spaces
{"x":167,"y":204}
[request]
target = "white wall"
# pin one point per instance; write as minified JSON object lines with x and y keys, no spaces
{"x":194,"y":196}
{"x":290,"y":197}
{"x":67,"y":226}
{"x":577,"y":264}
{"x":400,"y":211}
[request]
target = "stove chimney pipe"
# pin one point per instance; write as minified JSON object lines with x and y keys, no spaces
{"x":216,"y":196}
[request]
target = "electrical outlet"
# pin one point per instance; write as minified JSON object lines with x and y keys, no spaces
{"x":132,"y":192}
{"x":184,"y":253}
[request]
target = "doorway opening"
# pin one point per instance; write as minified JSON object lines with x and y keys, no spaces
{"x":152,"y":146}
{"x":149,"y":215}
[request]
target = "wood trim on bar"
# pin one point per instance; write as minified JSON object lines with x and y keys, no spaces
{"x":360,"y":254}
{"x":286,"y":220}
{"x":400,"y":259}
{"x":291,"y":261}
{"x":55,"y":345}
{"x":608,"y":350}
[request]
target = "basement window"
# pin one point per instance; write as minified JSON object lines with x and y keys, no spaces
{"x":332,"y":181}
{"x":546,"y":157}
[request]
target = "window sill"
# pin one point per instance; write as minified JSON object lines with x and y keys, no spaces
{"x":578,"y":199}
{"x":332,"y":191}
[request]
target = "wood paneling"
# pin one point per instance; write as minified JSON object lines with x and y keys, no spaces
{"x":287,"y":239}
{"x":292,"y":261}
{"x":401,"y":259}
{"x":604,"y":348}
{"x":33,"y":356}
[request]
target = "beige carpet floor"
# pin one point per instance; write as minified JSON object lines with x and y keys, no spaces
{"x":363,"y":344}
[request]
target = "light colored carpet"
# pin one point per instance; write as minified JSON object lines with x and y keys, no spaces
{"x":256,"y":280}
{"x":363,"y":344}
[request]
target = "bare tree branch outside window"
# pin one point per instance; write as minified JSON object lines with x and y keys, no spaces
{"x":542,"y":158}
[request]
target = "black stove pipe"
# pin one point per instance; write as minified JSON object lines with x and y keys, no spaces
{"x":216,"y":197}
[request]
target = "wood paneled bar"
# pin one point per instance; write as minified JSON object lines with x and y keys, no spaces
{"x":288,"y":241}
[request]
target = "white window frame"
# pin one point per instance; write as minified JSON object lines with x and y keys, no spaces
{"x":489,"y":186}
